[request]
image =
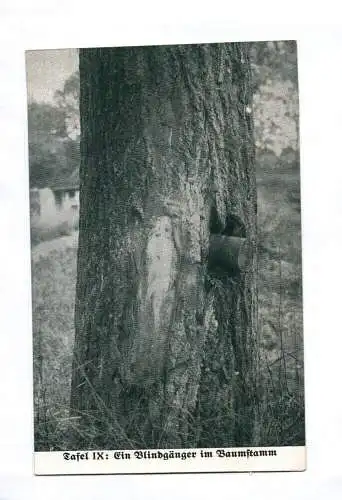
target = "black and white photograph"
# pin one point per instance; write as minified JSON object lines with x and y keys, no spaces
{"x":166,"y":258}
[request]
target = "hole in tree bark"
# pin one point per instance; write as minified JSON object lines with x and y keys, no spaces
{"x":233,"y":225}
{"x":228,"y":249}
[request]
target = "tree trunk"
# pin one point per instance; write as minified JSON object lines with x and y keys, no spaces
{"x":165,"y":351}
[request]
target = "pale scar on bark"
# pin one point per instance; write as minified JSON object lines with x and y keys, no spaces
{"x":161,"y":261}
{"x":164,"y":252}
{"x":162,"y":277}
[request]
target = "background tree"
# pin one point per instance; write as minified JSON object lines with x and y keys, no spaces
{"x":54,"y":136}
{"x":46,"y":136}
{"x":67,"y":99}
{"x":165,"y":347}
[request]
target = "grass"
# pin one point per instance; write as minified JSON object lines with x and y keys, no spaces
{"x":280,"y":301}
{"x":53,"y":288}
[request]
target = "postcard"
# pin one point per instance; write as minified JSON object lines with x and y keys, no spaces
{"x":166,"y":259}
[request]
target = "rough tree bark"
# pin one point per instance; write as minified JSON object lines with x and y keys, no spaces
{"x":165,"y":350}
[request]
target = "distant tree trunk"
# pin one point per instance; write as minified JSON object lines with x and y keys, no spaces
{"x":165,"y":350}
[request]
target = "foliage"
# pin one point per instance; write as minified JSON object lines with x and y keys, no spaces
{"x":40,"y":233}
{"x":275,"y":104}
{"x":278,"y":57}
{"x":53,"y":136}
{"x":68,"y":99}
{"x":46,"y":136}
{"x":276,"y":116}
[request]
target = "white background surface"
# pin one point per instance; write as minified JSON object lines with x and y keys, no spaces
{"x":56,"y":24}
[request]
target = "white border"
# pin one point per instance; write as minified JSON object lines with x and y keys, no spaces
{"x":55,"y":24}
